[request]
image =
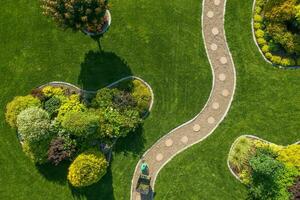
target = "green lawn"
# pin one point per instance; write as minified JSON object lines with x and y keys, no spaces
{"x":159,"y":41}
{"x":267,"y":104}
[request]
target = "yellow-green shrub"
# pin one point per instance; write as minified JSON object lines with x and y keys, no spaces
{"x":261,"y":41}
{"x":290,"y":155}
{"x":87,"y":169}
{"x":259,"y":33}
{"x":257,"y":25}
{"x":17,"y":105}
{"x":50,"y":91}
{"x":276,"y":60}
{"x":142,"y":95}
{"x":268,"y":55}
{"x":258,"y":18}
{"x":265,"y":49}
{"x":73,"y":104}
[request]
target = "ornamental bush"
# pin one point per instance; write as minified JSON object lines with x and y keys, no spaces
{"x":81,"y":124}
{"x":72,"y":104}
{"x":17,"y":105}
{"x":290,"y":155}
{"x":61,"y":149}
{"x":114,"y":123}
{"x":52,"y":105}
{"x":88,"y":168}
{"x":77,"y":14}
{"x":104,"y":98}
{"x":33,"y":124}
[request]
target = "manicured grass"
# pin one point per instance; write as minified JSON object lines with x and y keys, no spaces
{"x":266,"y":104}
{"x":159,"y":41}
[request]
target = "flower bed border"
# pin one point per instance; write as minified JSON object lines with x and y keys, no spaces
{"x":255,"y":41}
{"x":234,"y":143}
{"x":83,"y":92}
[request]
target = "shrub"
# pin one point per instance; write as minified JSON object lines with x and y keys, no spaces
{"x":104,"y":98}
{"x":61,"y":149}
{"x":290,"y":156}
{"x":257,"y":26}
{"x":77,"y":14}
{"x":50,"y":91}
{"x":295,"y":189}
{"x":258,"y":18}
{"x":72,"y":104}
{"x":285,"y":62}
{"x":123,"y":100}
{"x":52,"y":105}
{"x":17,"y":105}
{"x":268,"y":55}
{"x":38,"y":93}
{"x":258,"y":10}
{"x":114,"y":123}
{"x":259,"y":33}
{"x":276,"y":60}
{"x":37,"y":151}
{"x":142,"y":95}
{"x":87,"y":169}
{"x":261,"y":41}
{"x":265,"y":49}
{"x":81,"y":123}
{"x":33,"y":124}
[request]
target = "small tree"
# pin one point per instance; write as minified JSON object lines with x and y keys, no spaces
{"x":77,"y":14}
{"x":17,"y":105}
{"x":87,"y":169}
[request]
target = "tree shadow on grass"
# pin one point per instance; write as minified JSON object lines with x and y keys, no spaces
{"x":98,"y":191}
{"x":100,"y":69}
{"x":53,"y":173}
{"x":132,"y":143}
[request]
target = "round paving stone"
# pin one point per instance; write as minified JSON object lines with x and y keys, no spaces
{"x":169,"y":142}
{"x":184,"y":139}
{"x":214,"y":47}
{"x":159,"y":157}
{"x":216,"y":105}
{"x":223,"y":60}
{"x":215,"y":31}
{"x":196,"y":127}
{"x":225,"y":93}
{"x":210,"y":14}
{"x":217,"y":2}
{"x":222,"y":77}
{"x":211,"y":120}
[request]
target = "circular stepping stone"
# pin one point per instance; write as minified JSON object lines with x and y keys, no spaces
{"x":216,"y":105}
{"x":211,"y":120}
{"x":222,"y":77}
{"x":217,"y":2}
{"x":184,"y":139}
{"x":215,"y":31}
{"x":213,"y":47}
{"x":196,"y":127}
{"x":223,"y":60}
{"x":169,"y":142}
{"x":159,"y":157}
{"x":225,"y":93}
{"x":210,"y":14}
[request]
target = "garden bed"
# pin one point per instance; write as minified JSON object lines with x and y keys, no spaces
{"x":276,"y":31}
{"x":61,"y":122}
{"x":270,"y":171}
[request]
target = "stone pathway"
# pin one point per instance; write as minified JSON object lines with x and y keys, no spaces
{"x":217,"y":106}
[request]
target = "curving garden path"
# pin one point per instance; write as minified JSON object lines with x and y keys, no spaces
{"x":216,"y":108}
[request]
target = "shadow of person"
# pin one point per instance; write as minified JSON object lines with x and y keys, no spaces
{"x":98,"y":191}
{"x":100,"y":69}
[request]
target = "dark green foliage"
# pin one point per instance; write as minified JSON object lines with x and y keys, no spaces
{"x":104,"y":98}
{"x":52,"y":105}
